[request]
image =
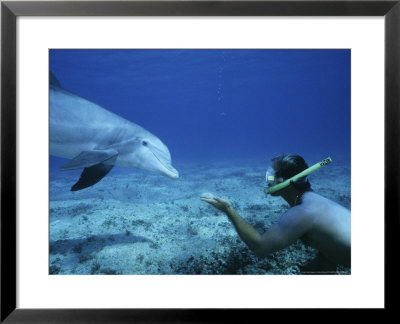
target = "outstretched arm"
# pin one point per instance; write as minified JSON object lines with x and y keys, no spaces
{"x":290,"y":228}
{"x":247,"y":233}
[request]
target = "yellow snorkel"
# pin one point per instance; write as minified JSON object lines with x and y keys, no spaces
{"x":295,"y":178}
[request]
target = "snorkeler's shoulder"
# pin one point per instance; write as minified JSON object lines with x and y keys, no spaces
{"x":297,"y":212}
{"x":297,"y":219}
{"x":315,"y":206}
{"x":312,"y":198}
{"x":310,"y":206}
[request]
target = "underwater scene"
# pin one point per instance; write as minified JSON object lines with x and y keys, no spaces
{"x":159,"y":158}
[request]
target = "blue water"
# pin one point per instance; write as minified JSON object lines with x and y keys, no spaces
{"x":223,"y":114}
{"x":221,"y":104}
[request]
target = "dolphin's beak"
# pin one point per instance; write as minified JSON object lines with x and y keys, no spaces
{"x":164,"y":158}
{"x":171,"y":172}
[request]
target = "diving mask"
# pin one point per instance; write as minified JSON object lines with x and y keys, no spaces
{"x":275,"y":184}
{"x":271,"y":178}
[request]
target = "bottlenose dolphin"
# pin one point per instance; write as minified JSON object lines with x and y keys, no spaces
{"x":96,"y":139}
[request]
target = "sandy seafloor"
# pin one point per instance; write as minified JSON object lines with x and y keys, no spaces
{"x":133,"y":222}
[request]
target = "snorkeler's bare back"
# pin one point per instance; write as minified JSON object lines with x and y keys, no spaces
{"x":330,"y":230}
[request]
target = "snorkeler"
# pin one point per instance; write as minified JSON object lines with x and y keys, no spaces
{"x":315,"y":220}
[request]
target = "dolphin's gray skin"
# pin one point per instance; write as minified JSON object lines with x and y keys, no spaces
{"x":97,"y":139}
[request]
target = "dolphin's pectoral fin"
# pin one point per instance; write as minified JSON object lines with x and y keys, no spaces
{"x":96,"y":164}
{"x":94,"y":174}
{"x":88,"y":159}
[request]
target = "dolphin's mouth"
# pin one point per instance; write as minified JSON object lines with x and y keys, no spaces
{"x":167,"y":169}
{"x":171,"y":172}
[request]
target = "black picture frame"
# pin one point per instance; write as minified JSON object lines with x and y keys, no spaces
{"x":10,"y":10}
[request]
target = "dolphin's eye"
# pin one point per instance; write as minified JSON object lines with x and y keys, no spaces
{"x":144,"y":143}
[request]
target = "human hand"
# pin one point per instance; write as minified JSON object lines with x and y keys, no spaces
{"x":221,"y":204}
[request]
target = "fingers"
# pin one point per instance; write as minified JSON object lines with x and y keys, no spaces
{"x":207,"y":195}
{"x":210,"y":201}
{"x":215,"y":201}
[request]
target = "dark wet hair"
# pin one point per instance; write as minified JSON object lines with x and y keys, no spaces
{"x":288,"y":165}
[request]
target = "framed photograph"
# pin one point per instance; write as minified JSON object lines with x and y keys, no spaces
{"x":162,"y":158}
